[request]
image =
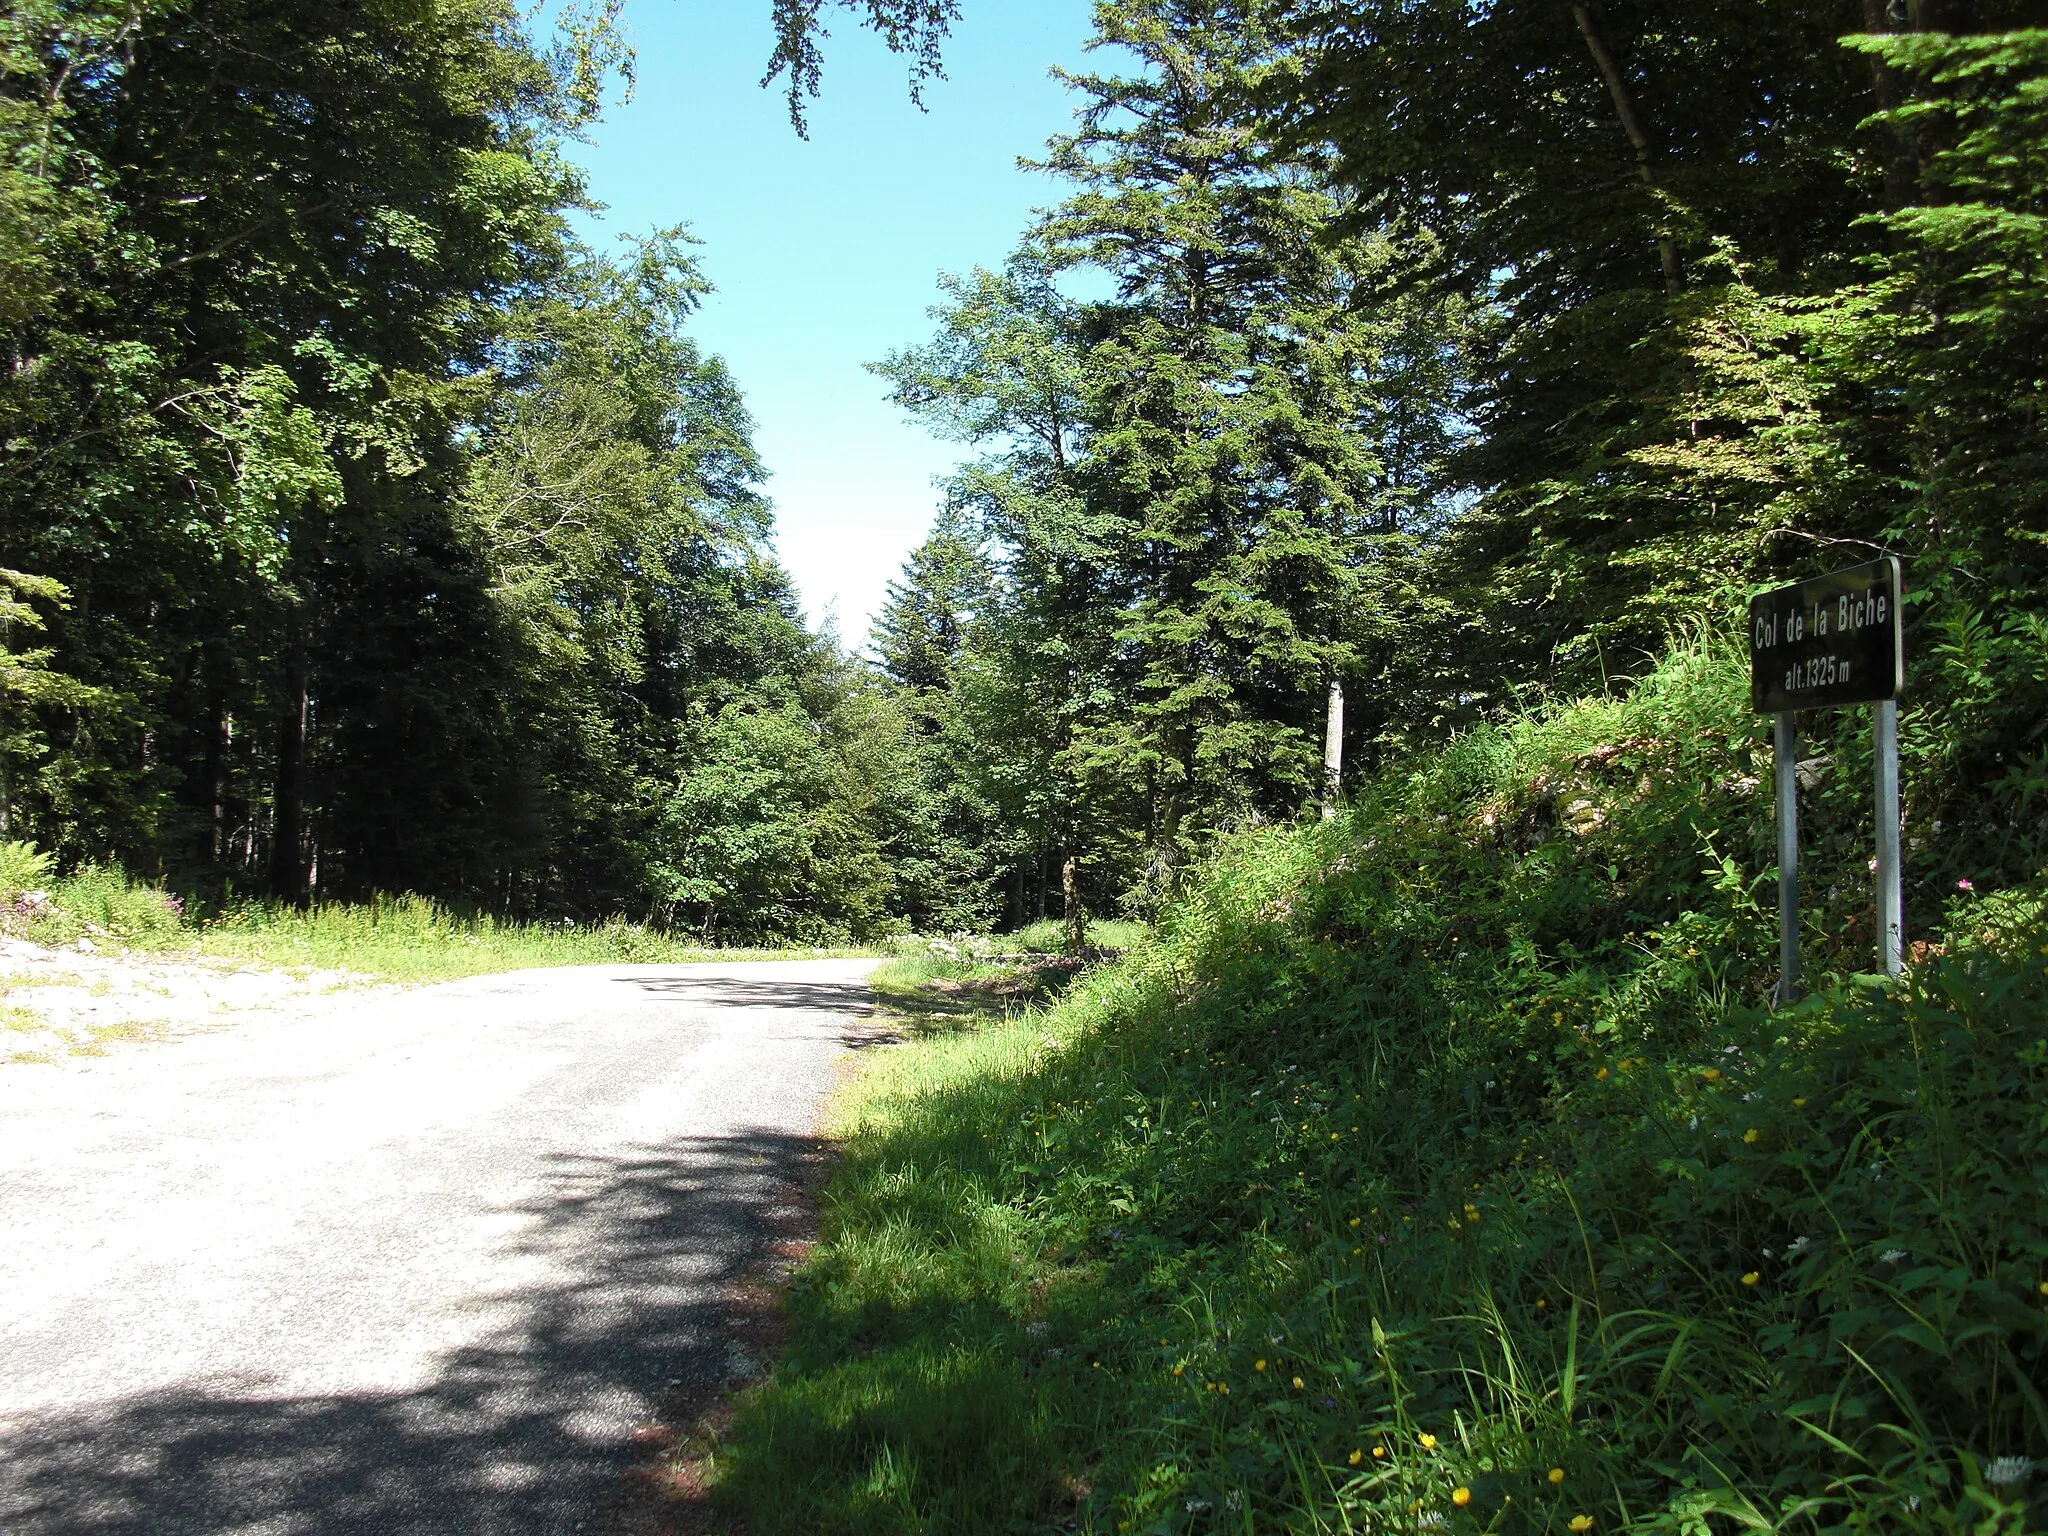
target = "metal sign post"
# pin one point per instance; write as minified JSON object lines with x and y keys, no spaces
{"x":1891,"y":916}
{"x":1785,"y":735}
{"x":1836,"y":639}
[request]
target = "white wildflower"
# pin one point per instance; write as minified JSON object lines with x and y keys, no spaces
{"x":1797,"y":1246}
{"x":2007,"y":1470}
{"x":1891,"y":1256}
{"x":1234,"y":1499}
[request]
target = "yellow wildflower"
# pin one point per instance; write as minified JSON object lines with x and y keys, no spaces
{"x":1799,"y":1103}
{"x":1751,"y":1278}
{"x":1179,"y":1368}
{"x":1582,"y":1523}
{"x":1428,"y":1442}
{"x":1461,"y":1497}
{"x":1356,"y":1457}
{"x":1354,"y":1222}
{"x":1379,"y":1450}
{"x":1712,"y":1074}
{"x":1751,"y":1136}
{"x":1555,"y":1474}
{"x":1298,"y":1383}
{"x":1600,"y":1076}
{"x":1258,"y":1365}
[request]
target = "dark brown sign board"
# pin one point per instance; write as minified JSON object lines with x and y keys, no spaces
{"x":1833,"y":640}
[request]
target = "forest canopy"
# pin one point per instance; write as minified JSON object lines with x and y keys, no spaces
{"x":364,"y":530}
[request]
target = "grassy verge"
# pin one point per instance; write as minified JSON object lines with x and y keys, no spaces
{"x":412,"y":940}
{"x":404,"y":939}
{"x":941,"y":986}
{"x":1440,"y":1170}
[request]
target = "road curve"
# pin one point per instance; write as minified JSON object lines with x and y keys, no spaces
{"x":397,"y":1262}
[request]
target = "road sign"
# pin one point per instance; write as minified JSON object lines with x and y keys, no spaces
{"x":1836,"y":639}
{"x":1833,"y":640}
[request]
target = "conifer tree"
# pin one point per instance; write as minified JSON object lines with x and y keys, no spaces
{"x":1232,"y":388}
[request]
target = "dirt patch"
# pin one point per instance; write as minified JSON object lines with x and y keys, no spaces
{"x":79,"y":999}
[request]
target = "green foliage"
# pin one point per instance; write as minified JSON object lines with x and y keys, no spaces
{"x":1050,"y":936}
{"x":770,"y":831}
{"x":23,"y":867}
{"x":1451,"y":1143}
{"x":107,"y":901}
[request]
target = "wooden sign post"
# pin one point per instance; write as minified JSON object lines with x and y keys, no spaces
{"x":1816,"y":644}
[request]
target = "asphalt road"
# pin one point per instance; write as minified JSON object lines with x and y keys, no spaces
{"x":394,"y":1263}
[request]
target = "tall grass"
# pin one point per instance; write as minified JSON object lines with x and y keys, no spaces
{"x":402,"y":938}
{"x":1441,"y":1169}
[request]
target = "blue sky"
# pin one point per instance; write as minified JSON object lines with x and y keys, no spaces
{"x":825,"y":253}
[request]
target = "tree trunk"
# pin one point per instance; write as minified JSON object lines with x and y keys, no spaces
{"x":288,"y":820}
{"x":1333,"y":750}
{"x":213,"y":841}
{"x":1625,"y":109}
{"x":1077,"y":916}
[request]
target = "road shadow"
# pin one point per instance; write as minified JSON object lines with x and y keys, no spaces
{"x":521,"y":1434}
{"x":727,"y":992}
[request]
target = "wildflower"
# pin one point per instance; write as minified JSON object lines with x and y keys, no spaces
{"x":1258,"y":1365}
{"x":1891,"y":1256}
{"x":1354,"y":1222}
{"x":1297,"y":1384}
{"x":1542,"y":1303}
{"x":1355,"y":1457}
{"x":1471,"y":1211}
{"x":1582,"y":1523}
{"x":1428,"y":1442}
{"x":1712,"y":1074}
{"x":1179,"y":1368}
{"x":1964,"y":885}
{"x":1799,"y":1103}
{"x":1556,"y":1475}
{"x":1797,"y":1246}
{"x":1600,"y":1076}
{"x":1751,"y":1278}
{"x":1751,"y":1136}
{"x":2044,"y":1287}
{"x":1379,"y":1452}
{"x":2007,"y":1470}
{"x":1462,"y":1496}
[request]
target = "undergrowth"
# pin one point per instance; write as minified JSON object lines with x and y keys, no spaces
{"x":1441,"y":1169}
